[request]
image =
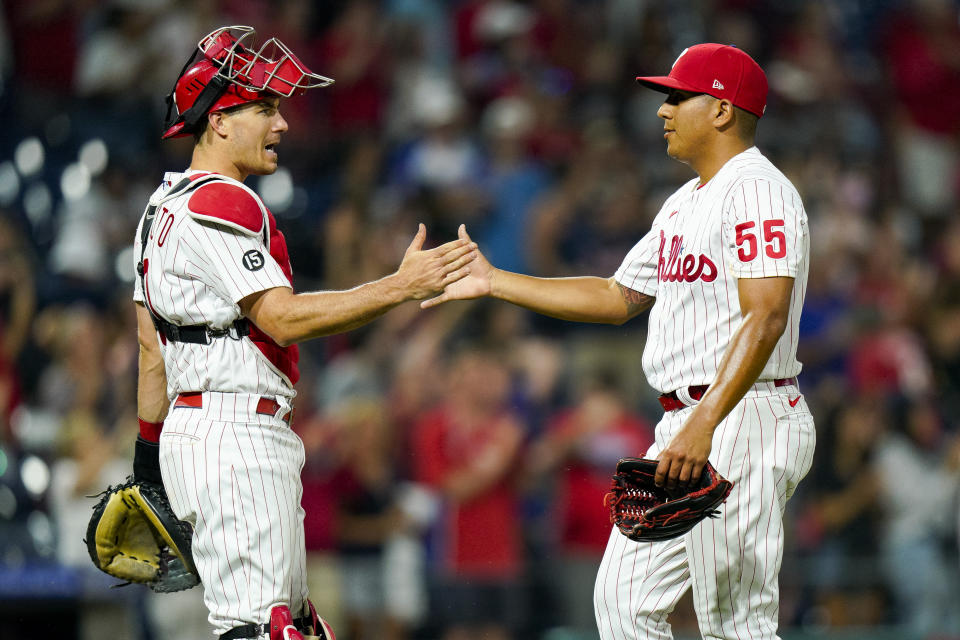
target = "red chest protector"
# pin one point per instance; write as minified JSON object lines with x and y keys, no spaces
{"x":283,"y":358}
{"x":230,"y":203}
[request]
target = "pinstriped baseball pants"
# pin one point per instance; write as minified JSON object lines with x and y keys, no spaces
{"x":765,"y":446}
{"x":235,"y":475}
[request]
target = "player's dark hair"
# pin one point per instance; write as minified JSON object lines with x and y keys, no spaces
{"x":746,"y":124}
{"x":199,"y":131}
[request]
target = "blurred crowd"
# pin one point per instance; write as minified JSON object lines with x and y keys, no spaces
{"x":457,"y":458}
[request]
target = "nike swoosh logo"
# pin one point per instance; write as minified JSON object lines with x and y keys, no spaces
{"x":794,"y":401}
{"x":674,"y":213}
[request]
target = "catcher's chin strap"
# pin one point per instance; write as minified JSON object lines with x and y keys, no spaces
{"x":194,"y":333}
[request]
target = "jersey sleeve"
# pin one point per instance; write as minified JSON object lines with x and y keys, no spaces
{"x":234,"y":263}
{"x":764,"y":225}
{"x":638,"y":271}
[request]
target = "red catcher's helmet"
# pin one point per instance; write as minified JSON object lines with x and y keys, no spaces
{"x":230,"y":74}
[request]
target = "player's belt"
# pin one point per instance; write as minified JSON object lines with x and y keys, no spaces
{"x":199,"y":333}
{"x":256,"y":630}
{"x":671,"y":401}
{"x":266,"y":405}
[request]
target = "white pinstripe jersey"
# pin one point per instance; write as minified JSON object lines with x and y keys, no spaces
{"x":198,"y":268}
{"x":746,"y":222}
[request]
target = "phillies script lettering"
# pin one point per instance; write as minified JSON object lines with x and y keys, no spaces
{"x":671,"y":268}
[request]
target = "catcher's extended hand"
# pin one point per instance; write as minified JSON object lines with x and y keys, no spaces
{"x":645,"y":512}
{"x":134,"y":535}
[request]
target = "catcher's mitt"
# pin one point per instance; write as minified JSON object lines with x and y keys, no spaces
{"x":134,"y":535}
{"x":644,"y":512}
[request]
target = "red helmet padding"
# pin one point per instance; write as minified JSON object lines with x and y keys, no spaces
{"x":227,"y":202}
{"x":286,"y":74}
{"x":278,"y":71}
{"x":223,"y":41}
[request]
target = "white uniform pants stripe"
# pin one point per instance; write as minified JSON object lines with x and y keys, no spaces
{"x":765,"y":446}
{"x":226,"y":459}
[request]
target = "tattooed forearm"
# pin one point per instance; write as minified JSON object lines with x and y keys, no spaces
{"x":636,"y":302}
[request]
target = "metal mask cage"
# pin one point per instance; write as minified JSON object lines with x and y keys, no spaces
{"x":272,"y":67}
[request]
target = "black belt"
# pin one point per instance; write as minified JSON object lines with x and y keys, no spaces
{"x":199,"y":333}
{"x":256,"y":630}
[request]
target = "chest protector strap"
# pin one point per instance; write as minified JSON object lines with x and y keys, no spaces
{"x":194,"y":333}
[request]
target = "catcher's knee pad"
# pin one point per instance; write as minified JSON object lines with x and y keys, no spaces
{"x":321,"y":628}
{"x":309,"y":627}
{"x":281,"y":624}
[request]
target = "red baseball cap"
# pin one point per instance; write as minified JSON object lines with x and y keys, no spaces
{"x":719,"y":70}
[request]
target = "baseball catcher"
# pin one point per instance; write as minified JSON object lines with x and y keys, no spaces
{"x":134,"y":535}
{"x":644,"y":512}
{"x":218,"y":324}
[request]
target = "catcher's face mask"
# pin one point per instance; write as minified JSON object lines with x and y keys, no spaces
{"x":232,"y":72}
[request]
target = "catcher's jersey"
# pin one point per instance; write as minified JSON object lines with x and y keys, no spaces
{"x":746,"y":222}
{"x":207,"y":250}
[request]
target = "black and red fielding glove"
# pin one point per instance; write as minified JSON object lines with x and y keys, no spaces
{"x":644,"y":512}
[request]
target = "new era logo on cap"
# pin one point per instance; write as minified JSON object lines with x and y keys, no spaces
{"x":720,"y":70}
